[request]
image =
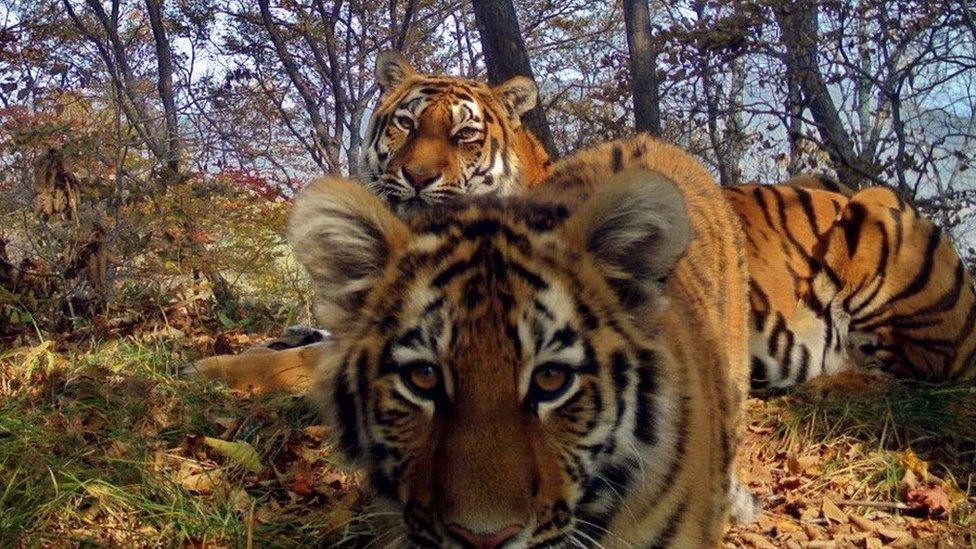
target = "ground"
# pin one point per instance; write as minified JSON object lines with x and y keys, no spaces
{"x":108,"y":445}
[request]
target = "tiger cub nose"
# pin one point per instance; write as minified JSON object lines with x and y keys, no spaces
{"x":485,"y":541}
{"x":419,"y":179}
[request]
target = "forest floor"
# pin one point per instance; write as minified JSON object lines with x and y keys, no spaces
{"x":110,"y":446}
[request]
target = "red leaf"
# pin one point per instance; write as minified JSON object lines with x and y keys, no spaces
{"x":933,"y":500}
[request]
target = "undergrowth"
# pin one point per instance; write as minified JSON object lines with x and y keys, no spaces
{"x":105,"y":445}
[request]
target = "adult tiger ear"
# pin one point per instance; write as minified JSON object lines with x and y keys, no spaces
{"x":519,"y":95}
{"x":635,"y":227}
{"x":344,"y":236}
{"x":392,"y":68}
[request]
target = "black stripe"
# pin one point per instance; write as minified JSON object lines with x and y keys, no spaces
{"x":453,"y":271}
{"x":920,"y":281}
{"x":346,"y":415}
{"x":807,"y":205}
{"x":764,"y":207}
{"x":645,"y":427}
{"x":758,"y":378}
{"x":617,"y":159}
{"x":533,"y":279}
{"x":852,"y":226}
{"x":881,"y":276}
{"x":760,"y":305}
{"x":673,"y":521}
{"x":804,"y":364}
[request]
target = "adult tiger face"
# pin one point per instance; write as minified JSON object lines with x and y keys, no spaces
{"x":483,"y":374}
{"x":432,"y":138}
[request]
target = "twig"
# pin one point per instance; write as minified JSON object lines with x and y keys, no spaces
{"x":874,"y":504}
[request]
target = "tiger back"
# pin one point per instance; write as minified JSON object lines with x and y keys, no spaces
{"x":846,"y":279}
{"x":898,"y":279}
{"x":538,"y":371}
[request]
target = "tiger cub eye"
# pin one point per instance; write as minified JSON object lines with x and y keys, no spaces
{"x":550,"y":380}
{"x":423,"y":376}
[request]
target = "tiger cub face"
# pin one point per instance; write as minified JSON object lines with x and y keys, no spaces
{"x":434,"y":137}
{"x":488,"y":371}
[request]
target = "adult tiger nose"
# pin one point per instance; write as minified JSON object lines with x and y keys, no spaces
{"x":420,"y":180}
{"x":485,"y":541}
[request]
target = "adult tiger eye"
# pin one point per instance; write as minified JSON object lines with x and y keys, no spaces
{"x":550,"y":381}
{"x":405,"y":122}
{"x":466,"y":134}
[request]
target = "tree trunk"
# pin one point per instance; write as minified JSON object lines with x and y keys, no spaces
{"x":643,"y":63}
{"x":164,"y":64}
{"x":798,"y":23}
{"x":506,"y":57}
{"x":328,"y":157}
{"x":794,"y":126}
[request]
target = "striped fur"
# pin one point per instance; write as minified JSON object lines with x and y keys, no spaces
{"x":503,"y":158}
{"x":624,"y":270}
{"x":433,"y":137}
{"x":862,"y":280}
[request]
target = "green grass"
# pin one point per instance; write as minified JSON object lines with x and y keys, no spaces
{"x":94,"y":449}
{"x":935,"y":421}
{"x":98,"y":447}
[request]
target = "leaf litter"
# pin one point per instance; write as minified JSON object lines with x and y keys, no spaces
{"x":105,"y":446}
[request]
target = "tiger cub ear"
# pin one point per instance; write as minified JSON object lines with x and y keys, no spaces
{"x":344,"y":236}
{"x":635,"y":227}
{"x":392,"y":68}
{"x":519,"y":95}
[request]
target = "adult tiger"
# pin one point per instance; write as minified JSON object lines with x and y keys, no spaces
{"x":430,"y":138}
{"x":433,"y":137}
{"x":524,"y":373}
{"x":842,"y":279}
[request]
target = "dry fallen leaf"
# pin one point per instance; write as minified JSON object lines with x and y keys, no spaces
{"x":801,"y":464}
{"x":301,"y":479}
{"x":932,"y":499}
{"x":910,"y":480}
{"x":240,"y":500}
{"x":892,"y":534}
{"x":195,"y":480}
{"x":757,"y":541}
{"x":239,"y":452}
{"x":864,"y":524}
{"x":832,"y":512}
{"x":784,"y":526}
{"x":911,"y":462}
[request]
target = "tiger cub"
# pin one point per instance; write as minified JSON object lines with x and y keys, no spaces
{"x":563,"y":368}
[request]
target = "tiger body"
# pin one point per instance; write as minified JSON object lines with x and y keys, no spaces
{"x":846,"y":279}
{"x":415,"y":158}
{"x":563,"y":367}
{"x":789,"y":343}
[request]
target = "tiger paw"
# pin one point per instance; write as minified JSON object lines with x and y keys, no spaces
{"x":848,"y":382}
{"x":744,"y":506}
{"x":297,"y":335}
